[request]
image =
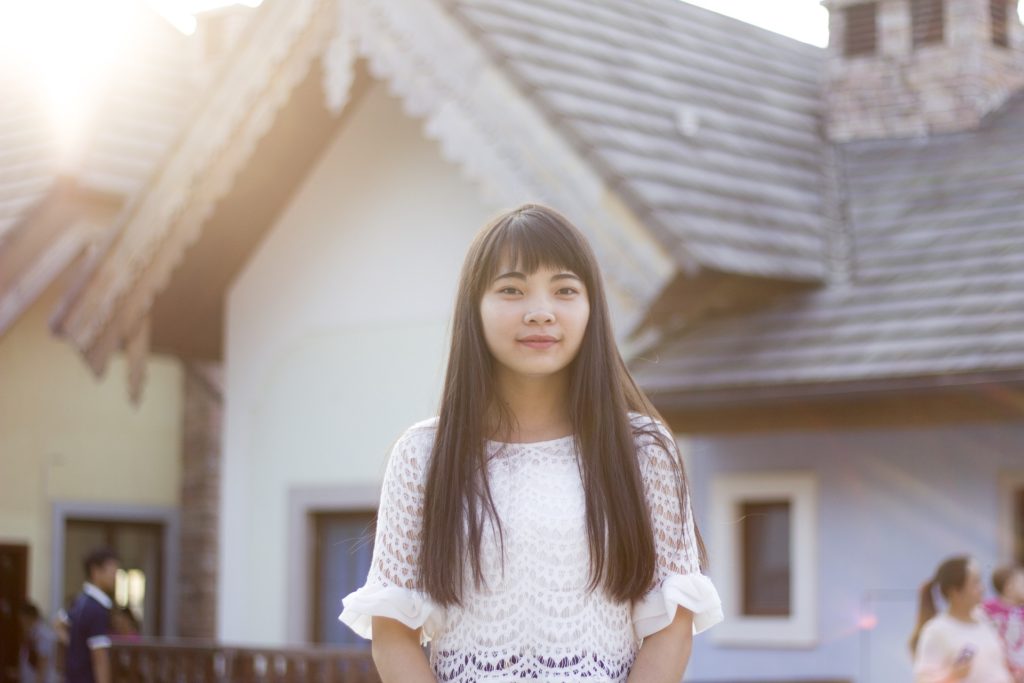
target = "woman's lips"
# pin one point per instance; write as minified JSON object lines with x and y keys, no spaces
{"x":537,"y":342}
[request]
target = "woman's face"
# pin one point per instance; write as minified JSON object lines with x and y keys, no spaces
{"x":534,"y":323}
{"x":973,"y":589}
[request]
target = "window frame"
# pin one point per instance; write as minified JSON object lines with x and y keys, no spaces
{"x":167,"y":517}
{"x":729,"y":491}
{"x":304,"y":503}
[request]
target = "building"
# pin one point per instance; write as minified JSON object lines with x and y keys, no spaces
{"x":813,"y":258}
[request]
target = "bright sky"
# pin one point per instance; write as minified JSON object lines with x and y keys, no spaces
{"x":65,"y":50}
{"x":804,"y":20}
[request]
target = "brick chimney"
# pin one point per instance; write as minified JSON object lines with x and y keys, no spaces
{"x":901,"y":68}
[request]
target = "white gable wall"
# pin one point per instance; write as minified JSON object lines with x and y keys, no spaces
{"x":336,"y":341}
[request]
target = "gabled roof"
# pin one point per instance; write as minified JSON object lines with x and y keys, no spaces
{"x":640,"y":118}
{"x":709,"y":127}
{"x":936,"y":226}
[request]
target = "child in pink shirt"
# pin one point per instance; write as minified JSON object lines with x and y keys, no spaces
{"x":1006,"y":612}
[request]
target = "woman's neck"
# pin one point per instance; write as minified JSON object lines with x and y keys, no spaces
{"x":540,"y":406}
{"x":961,"y":612}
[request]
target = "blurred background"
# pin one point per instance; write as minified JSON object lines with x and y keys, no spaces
{"x":230,"y":235}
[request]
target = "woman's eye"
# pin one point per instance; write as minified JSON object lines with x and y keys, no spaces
{"x":508,"y":290}
{"x":568,"y":291}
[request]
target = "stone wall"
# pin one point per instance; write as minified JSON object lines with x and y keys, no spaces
{"x":904,"y":91}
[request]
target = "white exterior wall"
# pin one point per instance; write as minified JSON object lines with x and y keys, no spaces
{"x":336,"y":341}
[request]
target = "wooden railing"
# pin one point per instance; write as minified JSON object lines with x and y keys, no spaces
{"x":185,"y":661}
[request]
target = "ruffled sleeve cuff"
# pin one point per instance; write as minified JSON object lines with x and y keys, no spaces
{"x":410,"y":607}
{"x":695,"y":592}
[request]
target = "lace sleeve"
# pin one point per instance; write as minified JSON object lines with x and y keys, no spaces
{"x":390,"y":588}
{"x":678,"y":578}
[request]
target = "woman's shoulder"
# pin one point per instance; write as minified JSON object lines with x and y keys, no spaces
{"x":417,"y":438}
{"x":939,"y":629}
{"x":648,"y":429}
{"x":422,"y":429}
{"x":944,"y":624}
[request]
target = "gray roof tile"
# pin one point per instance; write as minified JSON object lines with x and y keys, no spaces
{"x":745,"y":189}
{"x":937,"y":227}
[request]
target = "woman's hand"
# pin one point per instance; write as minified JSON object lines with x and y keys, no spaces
{"x":664,"y":655}
{"x":397,"y":653}
{"x":961,"y":670}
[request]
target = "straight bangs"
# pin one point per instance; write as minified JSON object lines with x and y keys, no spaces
{"x":530,"y":239}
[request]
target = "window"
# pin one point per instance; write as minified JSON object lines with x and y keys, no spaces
{"x":927,"y":20}
{"x":765,"y":560}
{"x":343,"y":549}
{"x":860,"y":33}
{"x":764,"y":537}
{"x":139,"y":546}
{"x":1000,"y":11}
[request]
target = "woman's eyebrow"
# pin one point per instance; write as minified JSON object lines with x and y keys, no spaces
{"x":512,"y":274}
{"x":515,"y":274}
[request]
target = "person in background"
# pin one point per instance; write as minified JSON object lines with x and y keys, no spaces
{"x":958,"y":644}
{"x":37,"y":659}
{"x":88,"y":657}
{"x":1006,"y":612}
{"x":123,"y":623}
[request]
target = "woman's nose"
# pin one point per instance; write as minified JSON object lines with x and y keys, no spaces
{"x":539,"y":316}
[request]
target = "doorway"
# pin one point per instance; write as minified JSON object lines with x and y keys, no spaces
{"x":139,"y":546}
{"x":13,"y":592}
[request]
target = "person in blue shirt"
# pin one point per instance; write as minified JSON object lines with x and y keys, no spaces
{"x":88,"y":656}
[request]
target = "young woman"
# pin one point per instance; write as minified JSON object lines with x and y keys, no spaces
{"x":958,"y":644}
{"x":540,"y":527}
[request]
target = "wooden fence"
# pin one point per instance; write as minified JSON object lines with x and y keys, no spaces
{"x":185,"y":661}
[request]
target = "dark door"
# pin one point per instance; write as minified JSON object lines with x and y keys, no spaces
{"x":13,"y":592}
{"x":342,"y":549}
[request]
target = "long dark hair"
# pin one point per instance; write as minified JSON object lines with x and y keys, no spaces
{"x":458,"y":497}
{"x":951,"y":575}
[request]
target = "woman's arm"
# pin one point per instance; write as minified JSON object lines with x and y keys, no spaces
{"x":665,"y":653}
{"x":398,"y":654}
{"x":101,"y":665}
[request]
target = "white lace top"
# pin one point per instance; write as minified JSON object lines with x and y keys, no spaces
{"x":536,"y":620}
